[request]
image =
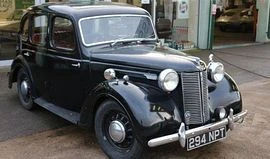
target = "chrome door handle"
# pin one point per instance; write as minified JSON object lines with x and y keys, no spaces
{"x":76,"y":65}
{"x":26,"y":54}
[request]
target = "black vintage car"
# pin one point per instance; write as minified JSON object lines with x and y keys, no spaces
{"x":100,"y":66}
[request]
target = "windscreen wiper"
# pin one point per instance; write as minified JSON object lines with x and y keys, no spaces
{"x":119,"y":40}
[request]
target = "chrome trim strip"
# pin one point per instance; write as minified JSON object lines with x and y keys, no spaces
{"x":204,"y":89}
{"x":163,"y":140}
{"x":62,"y":57}
{"x":113,"y":15}
{"x":230,"y":121}
{"x":150,"y":76}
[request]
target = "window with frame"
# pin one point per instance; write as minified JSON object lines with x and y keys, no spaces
{"x":39,"y":29}
{"x":63,"y":34}
{"x":25,"y":30}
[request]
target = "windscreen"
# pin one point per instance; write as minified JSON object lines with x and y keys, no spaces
{"x":110,"y":28}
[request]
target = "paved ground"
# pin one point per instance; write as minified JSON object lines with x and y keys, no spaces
{"x":231,"y":37}
{"x":40,"y":134}
{"x":5,"y":63}
{"x":16,"y":121}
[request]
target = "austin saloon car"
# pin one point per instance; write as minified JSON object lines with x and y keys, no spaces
{"x":101,"y":66}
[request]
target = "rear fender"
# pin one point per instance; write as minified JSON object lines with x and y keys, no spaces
{"x":18,"y":63}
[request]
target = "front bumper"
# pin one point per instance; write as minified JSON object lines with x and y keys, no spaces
{"x":183,"y":134}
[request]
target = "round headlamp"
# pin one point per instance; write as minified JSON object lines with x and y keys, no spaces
{"x":222,"y":113}
{"x":168,"y":80}
{"x":216,"y":71}
{"x":109,"y":74}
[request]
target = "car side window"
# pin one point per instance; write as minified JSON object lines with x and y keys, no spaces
{"x":39,"y":29}
{"x":63,"y":34}
{"x":25,"y":30}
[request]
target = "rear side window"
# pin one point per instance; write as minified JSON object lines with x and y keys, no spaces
{"x":63,"y":34}
{"x":39,"y":29}
{"x":25,"y":30}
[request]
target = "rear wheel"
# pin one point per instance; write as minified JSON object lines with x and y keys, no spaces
{"x":114,"y":132}
{"x":24,"y":87}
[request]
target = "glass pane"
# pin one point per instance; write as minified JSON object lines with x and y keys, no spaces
{"x":108,"y":29}
{"x":39,"y":29}
{"x":25,"y":30}
{"x":63,"y":33}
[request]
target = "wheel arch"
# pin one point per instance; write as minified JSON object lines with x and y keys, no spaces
{"x":135,"y":102}
{"x":226,"y":94}
{"x":104,"y":98}
{"x":15,"y":73}
{"x":18,"y":63}
{"x":89,"y":113}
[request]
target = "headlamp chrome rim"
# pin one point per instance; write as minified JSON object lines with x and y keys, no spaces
{"x":216,"y":71}
{"x":165,"y":76}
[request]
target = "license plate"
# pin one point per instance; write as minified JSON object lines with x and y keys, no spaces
{"x":206,"y":138}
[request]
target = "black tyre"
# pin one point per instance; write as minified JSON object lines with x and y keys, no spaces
{"x":24,"y":87}
{"x":114,"y":132}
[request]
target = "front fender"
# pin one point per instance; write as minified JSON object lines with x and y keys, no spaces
{"x":152,"y":112}
{"x":225,"y":94}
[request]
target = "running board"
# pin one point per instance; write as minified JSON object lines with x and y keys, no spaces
{"x":71,"y":116}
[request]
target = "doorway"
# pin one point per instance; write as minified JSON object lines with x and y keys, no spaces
{"x":235,"y":22}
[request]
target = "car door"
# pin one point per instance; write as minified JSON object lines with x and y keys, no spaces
{"x":32,"y":46}
{"x":64,"y":76}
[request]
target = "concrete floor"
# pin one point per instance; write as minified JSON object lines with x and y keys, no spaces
{"x":16,"y":121}
{"x":231,"y":37}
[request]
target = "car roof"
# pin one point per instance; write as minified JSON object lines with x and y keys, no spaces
{"x":235,"y":10}
{"x":85,"y":9}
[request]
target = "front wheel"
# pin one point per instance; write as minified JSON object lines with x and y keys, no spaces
{"x":115,"y":132}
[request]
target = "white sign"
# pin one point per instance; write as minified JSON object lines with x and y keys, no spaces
{"x":145,"y":1}
{"x":214,"y":9}
{"x":183,"y":9}
{"x":39,"y":2}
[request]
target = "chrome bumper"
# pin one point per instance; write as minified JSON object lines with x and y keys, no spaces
{"x":183,"y":134}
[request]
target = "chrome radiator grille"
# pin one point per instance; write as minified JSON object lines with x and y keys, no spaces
{"x":195,"y":96}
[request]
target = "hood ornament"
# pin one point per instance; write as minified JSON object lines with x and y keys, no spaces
{"x":211,"y":58}
{"x":201,"y":65}
{"x":195,"y":59}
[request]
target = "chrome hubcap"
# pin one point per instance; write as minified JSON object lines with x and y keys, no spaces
{"x":24,"y":89}
{"x":117,"y":131}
